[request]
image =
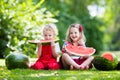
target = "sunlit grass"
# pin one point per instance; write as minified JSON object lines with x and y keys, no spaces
{"x":28,"y":74}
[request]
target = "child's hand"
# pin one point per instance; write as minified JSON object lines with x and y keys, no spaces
{"x":84,"y":57}
{"x":70,"y":54}
{"x":53,"y":44}
{"x":39,"y":44}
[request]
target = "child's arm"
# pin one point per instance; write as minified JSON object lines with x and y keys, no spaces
{"x":63,"y":49}
{"x":39,"y":50}
{"x":54,"y":52}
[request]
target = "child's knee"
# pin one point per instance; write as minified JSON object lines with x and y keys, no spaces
{"x":91,"y":58}
{"x":53,"y":66}
{"x":37,"y":66}
{"x":64,"y":56}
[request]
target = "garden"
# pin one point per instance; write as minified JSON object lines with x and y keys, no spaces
{"x":22,"y":20}
{"x":28,"y":74}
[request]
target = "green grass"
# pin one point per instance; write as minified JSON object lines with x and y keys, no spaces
{"x":28,"y":74}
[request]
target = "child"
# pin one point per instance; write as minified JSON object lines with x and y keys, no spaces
{"x":47,"y":54}
{"x":75,"y":36}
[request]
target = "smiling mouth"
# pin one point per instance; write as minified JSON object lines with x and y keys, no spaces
{"x":74,"y":37}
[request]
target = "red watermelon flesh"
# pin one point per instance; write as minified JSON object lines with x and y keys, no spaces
{"x":79,"y":50}
{"x":41,"y":41}
{"x":108,"y":56}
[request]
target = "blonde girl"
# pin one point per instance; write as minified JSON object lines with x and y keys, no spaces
{"x":75,"y":36}
{"x":47,"y":54}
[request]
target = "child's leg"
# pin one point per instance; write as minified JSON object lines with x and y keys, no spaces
{"x":37,"y":66}
{"x":53,"y":66}
{"x":71,"y":67}
{"x":87,"y":62}
{"x":67,"y":61}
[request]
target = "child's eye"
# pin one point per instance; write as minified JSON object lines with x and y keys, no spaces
{"x":50,"y":35}
{"x":45,"y":35}
{"x":71,"y":33}
{"x":75,"y":32}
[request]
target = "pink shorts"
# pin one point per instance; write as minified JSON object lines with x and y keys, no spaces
{"x":80,"y":61}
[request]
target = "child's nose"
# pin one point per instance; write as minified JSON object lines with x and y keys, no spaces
{"x":73,"y":34}
{"x":48,"y":37}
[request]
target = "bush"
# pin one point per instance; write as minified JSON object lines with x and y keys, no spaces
{"x":20,"y":23}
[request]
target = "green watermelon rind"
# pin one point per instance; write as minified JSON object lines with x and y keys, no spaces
{"x":14,"y":60}
{"x":118,"y":66}
{"x":101,"y":63}
{"x":43,"y":42}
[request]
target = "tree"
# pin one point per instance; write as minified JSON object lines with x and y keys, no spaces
{"x":112,"y":20}
{"x":20,"y":23}
{"x":75,"y":11}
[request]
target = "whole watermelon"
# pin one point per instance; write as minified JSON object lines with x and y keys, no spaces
{"x":101,"y":63}
{"x":15,"y":60}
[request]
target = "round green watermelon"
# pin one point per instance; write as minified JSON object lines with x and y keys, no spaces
{"x":102,"y":63}
{"x":15,"y":60}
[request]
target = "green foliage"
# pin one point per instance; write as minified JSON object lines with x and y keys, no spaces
{"x":112,"y":24}
{"x":75,"y":11}
{"x":21,"y":21}
{"x":94,"y":34}
{"x":3,"y":34}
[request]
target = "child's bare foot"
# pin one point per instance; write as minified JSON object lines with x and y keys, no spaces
{"x":83,"y":67}
{"x":71,"y":67}
{"x":86,"y":67}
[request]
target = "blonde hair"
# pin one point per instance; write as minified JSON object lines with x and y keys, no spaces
{"x":78,"y":27}
{"x":51,"y":27}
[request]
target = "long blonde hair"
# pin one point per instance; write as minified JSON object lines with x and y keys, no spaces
{"x":78,"y":26}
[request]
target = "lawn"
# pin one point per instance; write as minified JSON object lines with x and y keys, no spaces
{"x":27,"y":74}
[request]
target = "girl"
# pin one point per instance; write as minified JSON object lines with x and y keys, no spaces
{"x":75,"y":36}
{"x":47,"y":54}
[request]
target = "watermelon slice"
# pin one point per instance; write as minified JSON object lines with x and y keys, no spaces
{"x":41,"y":41}
{"x":79,"y":50}
{"x":109,"y":56}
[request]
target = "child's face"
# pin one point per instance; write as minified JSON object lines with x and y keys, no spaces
{"x":75,"y":34}
{"x":48,"y":35}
